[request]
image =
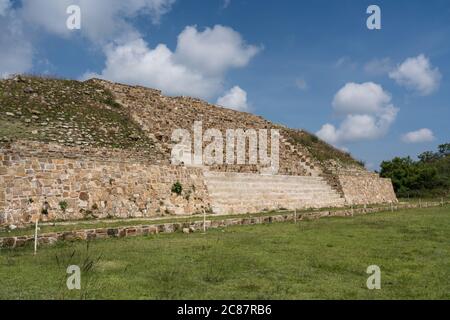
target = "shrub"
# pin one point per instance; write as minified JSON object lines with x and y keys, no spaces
{"x":177,"y":188}
{"x":63,"y":205}
{"x":427,"y":177}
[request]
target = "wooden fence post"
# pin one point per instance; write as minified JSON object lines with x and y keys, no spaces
{"x":204,"y":221}
{"x":36,"y":234}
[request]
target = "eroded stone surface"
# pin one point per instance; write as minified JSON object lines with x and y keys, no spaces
{"x":98,"y":167}
{"x":91,"y":188}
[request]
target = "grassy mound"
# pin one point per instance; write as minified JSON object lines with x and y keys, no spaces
{"x":74,"y":113}
{"x":319,"y":149}
{"x":67,"y":112}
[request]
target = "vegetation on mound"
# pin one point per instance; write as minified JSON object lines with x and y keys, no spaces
{"x":74,"y":113}
{"x":67,"y":112}
{"x":427,"y":177}
{"x":319,"y":259}
{"x":321,"y":150}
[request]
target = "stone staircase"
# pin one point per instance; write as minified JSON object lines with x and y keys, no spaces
{"x":247,"y":193}
{"x":305,"y":162}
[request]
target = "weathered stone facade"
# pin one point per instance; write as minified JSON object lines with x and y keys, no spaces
{"x":94,"y":188}
{"x":80,"y":183}
{"x":232,"y":192}
{"x":103,"y":149}
{"x":366,"y":188}
{"x":159,"y":115}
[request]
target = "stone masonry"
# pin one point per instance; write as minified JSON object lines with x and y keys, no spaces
{"x":366,"y":188}
{"x":189,"y":227}
{"x":94,"y":176}
{"x":94,"y":188}
{"x":82,"y":183}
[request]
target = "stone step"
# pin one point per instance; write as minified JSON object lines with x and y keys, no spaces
{"x":235,"y":209}
{"x":274,"y":193}
{"x":267,"y":195}
{"x":266,"y":186}
{"x":262,"y":178}
{"x":273,"y":206}
{"x":255,"y":183}
{"x":272,"y":203}
{"x":258,"y":178}
{"x":244,"y":192}
{"x":234,"y":174}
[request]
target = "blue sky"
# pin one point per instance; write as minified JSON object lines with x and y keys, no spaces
{"x":300,"y":63}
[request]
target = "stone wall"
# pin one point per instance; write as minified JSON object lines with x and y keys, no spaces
{"x":80,"y":183}
{"x":94,"y":188}
{"x":159,"y":116}
{"x":366,"y":188}
{"x":189,"y":227}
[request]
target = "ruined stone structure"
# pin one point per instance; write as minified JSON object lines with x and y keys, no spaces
{"x":246,"y":192}
{"x":125,"y":170}
{"x":79,"y":183}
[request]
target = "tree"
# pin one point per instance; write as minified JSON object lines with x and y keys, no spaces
{"x":444,"y":149}
{"x":428,"y":156}
{"x":429,"y":176}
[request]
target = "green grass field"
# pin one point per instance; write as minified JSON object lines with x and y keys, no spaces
{"x":320,"y":259}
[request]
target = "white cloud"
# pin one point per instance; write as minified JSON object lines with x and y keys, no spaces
{"x":417,"y":74}
{"x":135,"y":63}
{"x":345,"y":62}
{"x":196,"y":67}
{"x":301,"y":84}
{"x":368,"y":114}
{"x":102,"y":20}
{"x":235,"y":98}
{"x":16,"y":53}
{"x":378,"y":67}
{"x":419,"y":136}
{"x":4,"y":7}
{"x":180,"y":72}
{"x":328,"y":133}
{"x":213,"y":51}
{"x":360,"y":98}
{"x":226,"y":4}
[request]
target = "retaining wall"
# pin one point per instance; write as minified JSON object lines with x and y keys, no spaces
{"x":80,"y":183}
{"x":188,"y":227}
{"x":366,"y":188}
{"x":95,"y":189}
